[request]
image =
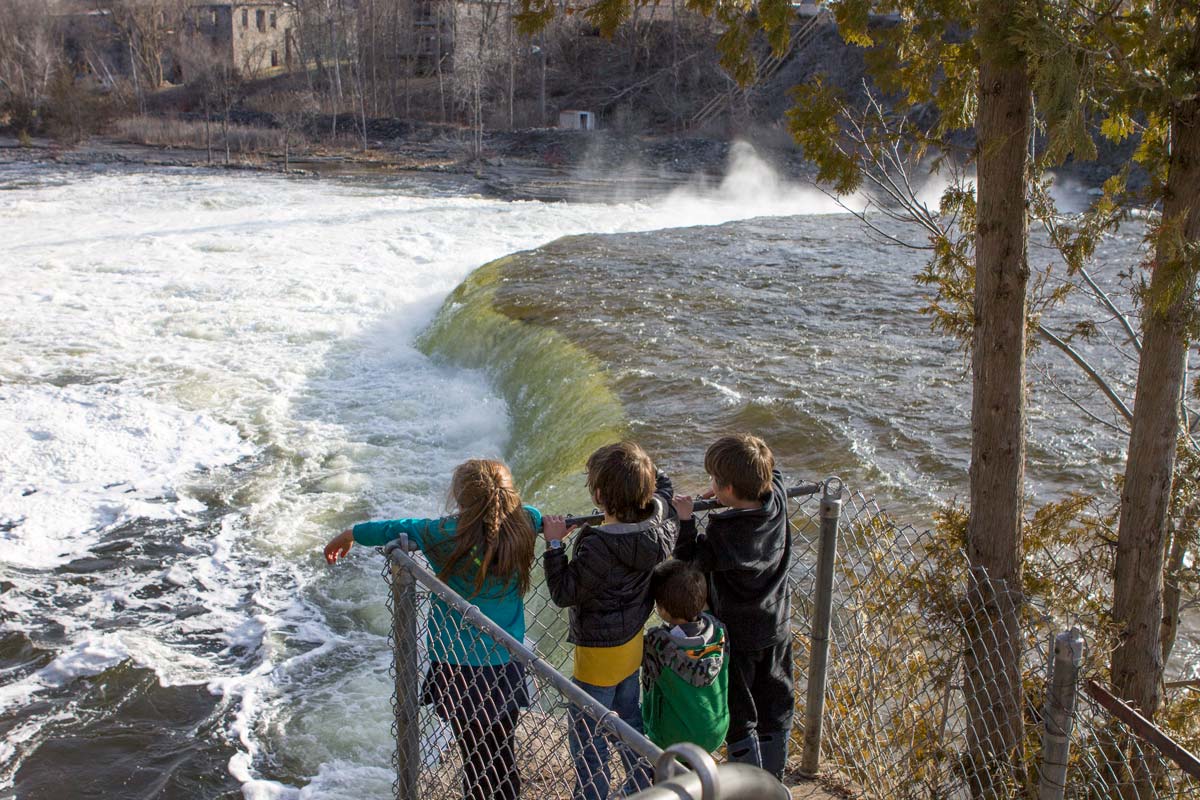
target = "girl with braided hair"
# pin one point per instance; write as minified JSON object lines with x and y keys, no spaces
{"x":483,"y":550}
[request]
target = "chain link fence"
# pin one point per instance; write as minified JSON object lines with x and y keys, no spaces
{"x":500,"y":731}
{"x":913,"y":640}
{"x":914,"y":636}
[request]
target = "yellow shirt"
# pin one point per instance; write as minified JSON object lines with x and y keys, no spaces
{"x":608,"y":666}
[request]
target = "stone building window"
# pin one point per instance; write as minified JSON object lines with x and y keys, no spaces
{"x":274,"y":58}
{"x":260,"y":19}
{"x":273,"y":20}
{"x":245,"y":18}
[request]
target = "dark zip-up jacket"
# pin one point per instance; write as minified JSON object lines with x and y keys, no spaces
{"x":746,"y":555}
{"x":606,"y":580}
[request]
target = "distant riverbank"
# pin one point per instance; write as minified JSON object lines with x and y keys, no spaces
{"x":545,"y":164}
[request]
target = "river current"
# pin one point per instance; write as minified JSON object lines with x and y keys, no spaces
{"x":203,"y":376}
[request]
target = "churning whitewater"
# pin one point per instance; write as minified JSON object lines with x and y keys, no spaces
{"x":201,"y":376}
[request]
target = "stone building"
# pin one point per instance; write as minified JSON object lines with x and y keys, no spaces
{"x":250,"y":38}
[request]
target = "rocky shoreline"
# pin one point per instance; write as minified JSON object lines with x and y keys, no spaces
{"x":547,"y":165}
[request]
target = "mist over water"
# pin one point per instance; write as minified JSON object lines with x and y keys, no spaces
{"x":757,"y":190}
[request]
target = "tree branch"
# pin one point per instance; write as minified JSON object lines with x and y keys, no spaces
{"x":1083,"y":364}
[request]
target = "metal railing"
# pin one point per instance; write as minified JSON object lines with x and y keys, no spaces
{"x":444,"y":735}
{"x":884,"y":624}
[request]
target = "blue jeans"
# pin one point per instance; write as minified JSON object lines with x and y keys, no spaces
{"x":589,"y":750}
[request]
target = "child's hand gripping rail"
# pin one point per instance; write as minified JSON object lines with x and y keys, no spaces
{"x":801,"y":490}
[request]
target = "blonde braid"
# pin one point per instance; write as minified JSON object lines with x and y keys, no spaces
{"x":493,"y":510}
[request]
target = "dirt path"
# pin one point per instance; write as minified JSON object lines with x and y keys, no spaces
{"x":811,"y":790}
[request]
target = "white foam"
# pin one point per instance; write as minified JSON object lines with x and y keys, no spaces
{"x":89,"y":657}
{"x":78,"y":460}
{"x":729,"y":396}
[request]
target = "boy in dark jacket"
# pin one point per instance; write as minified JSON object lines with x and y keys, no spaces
{"x":605,"y":582}
{"x":685,"y":674}
{"x":746,"y":553}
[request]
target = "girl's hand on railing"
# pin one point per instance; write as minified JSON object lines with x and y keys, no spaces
{"x":339,"y":546}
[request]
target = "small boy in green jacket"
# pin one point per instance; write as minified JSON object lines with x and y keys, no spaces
{"x":685,"y":675}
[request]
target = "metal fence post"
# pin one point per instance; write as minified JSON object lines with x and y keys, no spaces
{"x":1059,"y":714}
{"x":404,"y":632}
{"x":818,"y":658}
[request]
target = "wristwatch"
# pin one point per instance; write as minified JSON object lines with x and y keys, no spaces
{"x":554,"y":545}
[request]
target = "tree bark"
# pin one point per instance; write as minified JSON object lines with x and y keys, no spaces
{"x":1137,"y":663}
{"x":225,"y":128}
{"x":438,"y":63}
{"x":992,"y":675}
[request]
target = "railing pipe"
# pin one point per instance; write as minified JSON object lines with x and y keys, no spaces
{"x":736,"y":781}
{"x":818,"y":658}
{"x":605,"y":717}
{"x":404,"y":653}
{"x":696,"y":757}
{"x":1145,"y":730}
{"x":800,"y":490}
{"x":1058,"y":716}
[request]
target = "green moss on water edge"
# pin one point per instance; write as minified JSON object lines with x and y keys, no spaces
{"x":559,"y":399}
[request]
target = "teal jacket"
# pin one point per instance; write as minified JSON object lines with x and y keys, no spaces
{"x":450,"y":641}
{"x":685,"y":684}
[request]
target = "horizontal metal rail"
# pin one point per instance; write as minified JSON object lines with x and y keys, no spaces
{"x":802,"y":490}
{"x":1144,"y":729}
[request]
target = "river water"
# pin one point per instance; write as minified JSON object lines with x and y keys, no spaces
{"x":204,"y":376}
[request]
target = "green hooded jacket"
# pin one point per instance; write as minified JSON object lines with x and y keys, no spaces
{"x":685,"y":684}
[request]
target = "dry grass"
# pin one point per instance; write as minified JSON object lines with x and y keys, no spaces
{"x":173,"y":132}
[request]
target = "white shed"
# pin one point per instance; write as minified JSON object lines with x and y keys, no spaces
{"x":577,"y":120}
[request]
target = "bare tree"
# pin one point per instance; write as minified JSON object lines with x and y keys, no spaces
{"x":149,"y":28}
{"x":477,"y":58}
{"x":291,"y":112}
{"x":30,"y":59}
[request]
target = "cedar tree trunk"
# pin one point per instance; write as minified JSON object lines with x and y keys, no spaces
{"x":1137,"y":662}
{"x":992,"y":677}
